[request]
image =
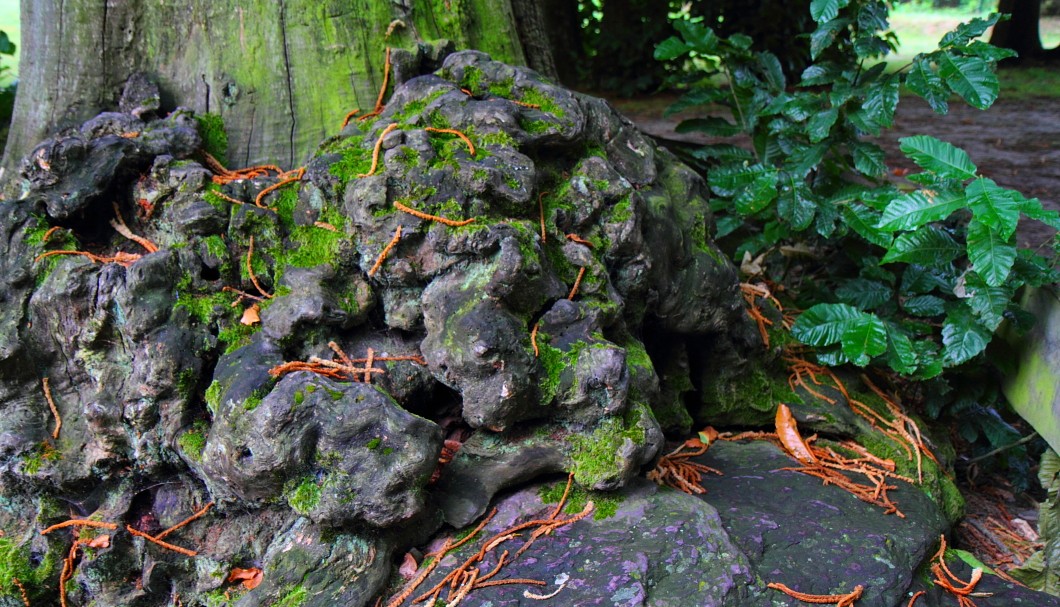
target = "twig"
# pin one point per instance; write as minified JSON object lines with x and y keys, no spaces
{"x":1026,"y":439}
{"x":184,"y":522}
{"x":79,"y":522}
{"x":159,"y":542}
{"x":250,"y":270}
{"x":55,"y":410}
{"x":577,"y":283}
{"x":377,"y":148}
{"x":467,"y":141}
{"x":386,"y":251}
{"x":449,"y":222}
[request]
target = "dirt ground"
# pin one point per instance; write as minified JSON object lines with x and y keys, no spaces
{"x":1015,"y":143}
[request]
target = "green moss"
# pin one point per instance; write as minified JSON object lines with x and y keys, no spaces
{"x":236,"y":335}
{"x":502,"y":88}
{"x":15,"y":563}
{"x":60,"y":240}
{"x":211,"y":128}
{"x":193,"y":441}
{"x":374,"y":443}
{"x":748,"y":398}
{"x":305,"y":496}
{"x":294,"y":597}
{"x":299,"y":397}
{"x":605,"y":504}
{"x":535,"y":127}
{"x":354,"y":159}
{"x":187,"y":379}
{"x":471,"y":79}
{"x":213,"y":397}
{"x":622,"y":211}
{"x":544,"y":102}
{"x":36,"y":458}
{"x":499,"y":138}
{"x":252,"y":402}
{"x":596,"y":457}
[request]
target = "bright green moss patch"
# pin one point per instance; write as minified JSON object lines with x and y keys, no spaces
{"x":35,"y":459}
{"x":355,"y":159}
{"x":211,"y":128}
{"x":605,"y":504}
{"x":312,"y":246}
{"x":471,"y":79}
{"x":60,"y":240}
{"x":15,"y":564}
{"x":213,"y":397}
{"x":193,"y":442}
{"x":596,"y":457}
{"x":295,"y":597}
{"x":374,"y":443}
{"x":502,"y":88}
{"x":305,"y":496}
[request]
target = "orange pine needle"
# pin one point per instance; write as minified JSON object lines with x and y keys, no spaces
{"x":382,"y":90}
{"x":159,"y":542}
{"x":533,"y":339}
{"x":79,"y":522}
{"x":579,"y":240}
{"x":378,"y":147}
{"x":184,"y":522}
{"x":48,"y":234}
{"x":285,"y":178}
{"x":467,"y":141}
{"x":120,"y":258}
{"x":577,"y":283}
{"x":250,"y":270}
{"x":21,"y":591}
{"x":442,"y":220}
{"x":225,"y":197}
{"x":912,"y":600}
{"x":346,"y":120}
{"x":51,"y":405}
{"x":118,"y":223}
{"x":386,"y":251}
{"x":541,"y":208}
{"x":841,"y":600}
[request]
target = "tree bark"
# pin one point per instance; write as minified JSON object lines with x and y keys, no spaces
{"x":1021,"y":32}
{"x":281,"y":73}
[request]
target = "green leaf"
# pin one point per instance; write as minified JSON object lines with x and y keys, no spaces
{"x":971,"y":78}
{"x":922,"y":279}
{"x":988,"y":52}
{"x":991,"y":256}
{"x":881,"y":101}
{"x":869,"y":158}
{"x":740,"y":41}
{"x":995,"y":206}
{"x":918,"y":208}
{"x":695,"y":98}
{"x":722,"y":151}
{"x":711,"y":125}
{"x":988,"y":303}
{"x":925,"y":82}
{"x":819,"y":74}
{"x":864,"y":339}
{"x":772,"y":71}
{"x":802,"y":160}
{"x":820,"y":124}
{"x":943,"y":159}
{"x":901,"y":355}
{"x":727,"y":225}
{"x":864,"y":294}
{"x":825,"y":35}
{"x":752,"y":187}
{"x":863,"y":220}
{"x":795,"y":204}
{"x":701,"y":38}
{"x":1032,"y":207}
{"x":826,"y":10}
{"x":966,"y":31}
{"x":924,"y":305}
{"x":824,"y":324}
{"x":671,"y":48}
{"x":963,"y":337}
{"x":832,"y":356}
{"x":929,"y":246}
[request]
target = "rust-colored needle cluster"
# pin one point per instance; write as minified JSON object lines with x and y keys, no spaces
{"x":675,"y":470}
{"x":345,"y":368}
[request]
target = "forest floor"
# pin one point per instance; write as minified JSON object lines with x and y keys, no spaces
{"x":1017,"y":144}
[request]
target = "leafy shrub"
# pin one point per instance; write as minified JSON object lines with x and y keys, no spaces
{"x":914,"y":280}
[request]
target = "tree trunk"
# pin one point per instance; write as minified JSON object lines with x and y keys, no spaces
{"x":281,"y":73}
{"x":1020,"y":33}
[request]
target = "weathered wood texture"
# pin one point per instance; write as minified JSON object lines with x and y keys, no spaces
{"x":282,"y":73}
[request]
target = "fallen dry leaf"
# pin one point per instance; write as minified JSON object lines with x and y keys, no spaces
{"x":251,"y":316}
{"x":250,"y":577}
{"x":100,"y":541}
{"x":408,"y":567}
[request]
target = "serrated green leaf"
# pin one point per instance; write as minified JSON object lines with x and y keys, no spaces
{"x":671,"y":48}
{"x":869,"y":158}
{"x":827,"y":216}
{"x":819,"y":74}
{"x":918,"y":208}
{"x":863,"y":220}
{"x":971,"y":78}
{"x":901,"y":355}
{"x":929,"y":246}
{"x":925,"y":82}
{"x":924,"y":305}
{"x":795,"y":204}
{"x":820,"y":124}
{"x":711,"y":125}
{"x":864,"y":339}
{"x":824,"y":324}
{"x":864,"y":294}
{"x":826,"y":10}
{"x":727,"y":225}
{"x":804,"y":159}
{"x":991,"y":256}
{"x":752,"y":187}
{"x":1032,"y":207}
{"x":881,"y":101}
{"x":987,"y":303}
{"x":963,"y":337}
{"x":701,"y":38}
{"x":825,"y":36}
{"x":941,"y":158}
{"x":989,"y":52}
{"x":722,"y":151}
{"x":994,"y":206}
{"x":772,"y":71}
{"x":966,"y":31}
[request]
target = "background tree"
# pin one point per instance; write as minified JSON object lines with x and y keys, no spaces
{"x":281,"y":74}
{"x":1021,"y":33}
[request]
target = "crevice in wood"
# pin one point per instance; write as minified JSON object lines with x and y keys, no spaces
{"x":287,"y":77}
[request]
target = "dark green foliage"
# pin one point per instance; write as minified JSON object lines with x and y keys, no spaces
{"x":7,"y":92}
{"x":914,"y":280}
